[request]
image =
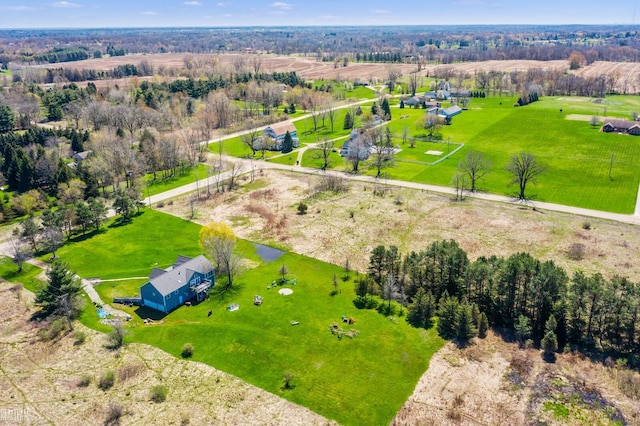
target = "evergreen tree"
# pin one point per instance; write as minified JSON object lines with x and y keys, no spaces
{"x":483,"y":326}
{"x":123,"y":205}
{"x":420,"y":312}
{"x":77,"y":144}
{"x":550,"y":340}
{"x":522,"y":328}
{"x":7,"y":119}
{"x":387,"y":110}
{"x":287,"y":144}
{"x":448,"y":316}
{"x":466,"y":330}
{"x":374,"y":109}
{"x":62,"y":293}
{"x":348,"y":121}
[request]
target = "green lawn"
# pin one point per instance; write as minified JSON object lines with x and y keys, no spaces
{"x":364,"y":380}
{"x":132,"y":250}
{"x":161,"y":185}
{"x":27,"y":277}
{"x":307,"y":134}
{"x":578,"y":156}
{"x":341,"y":92}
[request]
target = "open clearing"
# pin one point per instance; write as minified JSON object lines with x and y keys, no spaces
{"x":350,"y":225}
{"x":494,"y":383}
{"x":39,"y":381}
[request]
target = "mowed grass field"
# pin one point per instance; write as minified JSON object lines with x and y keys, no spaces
{"x":360,"y":380}
{"x":580,"y":171}
{"x":577,"y":155}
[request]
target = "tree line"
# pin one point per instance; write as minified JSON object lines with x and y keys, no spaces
{"x":412,"y":44}
{"x":535,"y":298}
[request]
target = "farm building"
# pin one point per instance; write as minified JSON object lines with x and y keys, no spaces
{"x":276,"y":133}
{"x":450,"y":112}
{"x":621,"y":126}
{"x":187,"y":279}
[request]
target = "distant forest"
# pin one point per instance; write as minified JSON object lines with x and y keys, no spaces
{"x":395,"y":44}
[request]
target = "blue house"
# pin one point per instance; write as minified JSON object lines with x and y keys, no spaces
{"x":274,"y":135}
{"x":186,"y":280}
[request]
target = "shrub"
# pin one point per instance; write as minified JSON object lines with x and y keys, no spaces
{"x":586,"y":225}
{"x":129,"y":371}
{"x":302,"y":208}
{"x":84,"y":381}
{"x":80,"y":337}
{"x":576,"y":251}
{"x":332,"y":183}
{"x":287,"y":378}
{"x":629,"y":383}
{"x":187,"y":350}
{"x":116,"y":336}
{"x":159,"y":393}
{"x":114,"y":412}
{"x":107,"y":380}
{"x":56,"y":328}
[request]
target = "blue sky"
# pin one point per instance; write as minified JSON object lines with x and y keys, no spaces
{"x":170,"y":13}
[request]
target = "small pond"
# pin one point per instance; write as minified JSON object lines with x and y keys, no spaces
{"x":266,"y":253}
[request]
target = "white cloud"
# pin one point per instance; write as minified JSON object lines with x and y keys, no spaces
{"x":380,"y":12}
{"x":17,"y":8}
{"x":227,"y":15}
{"x":66,"y":4}
{"x":192,"y":3}
{"x":149,"y":13}
{"x":282,"y":5}
{"x":223,"y":4}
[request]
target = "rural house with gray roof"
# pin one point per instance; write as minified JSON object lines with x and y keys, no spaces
{"x":186,"y":280}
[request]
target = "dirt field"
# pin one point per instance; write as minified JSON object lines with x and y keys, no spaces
{"x":494,"y":383}
{"x":627,"y":75}
{"x":350,"y":225}
{"x":40,"y":382}
{"x":307,"y":67}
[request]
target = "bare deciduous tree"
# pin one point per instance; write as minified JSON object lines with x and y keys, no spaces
{"x":234,"y":171}
{"x":460,"y":184}
{"x":475,"y":166}
{"x":323,"y":151}
{"x":393,"y":74}
{"x":524,"y":168}
{"x":250,"y":136}
{"x":415,"y":81}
